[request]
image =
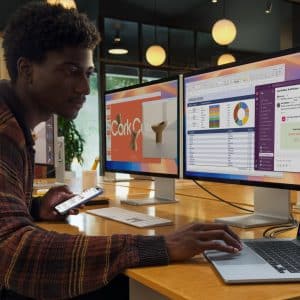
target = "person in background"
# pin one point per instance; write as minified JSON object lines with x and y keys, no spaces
{"x":49,"y":56}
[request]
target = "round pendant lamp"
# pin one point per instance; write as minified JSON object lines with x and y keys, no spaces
{"x":65,"y":3}
{"x":224,"y":32}
{"x":117,"y":48}
{"x":156,"y":55}
{"x":225,"y":59}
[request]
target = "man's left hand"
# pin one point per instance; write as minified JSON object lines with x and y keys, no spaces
{"x":53,"y":197}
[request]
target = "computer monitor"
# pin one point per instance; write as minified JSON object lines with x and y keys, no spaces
{"x":142,"y":134}
{"x":242,"y":125}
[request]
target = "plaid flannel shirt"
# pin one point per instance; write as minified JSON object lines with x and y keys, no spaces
{"x":43,"y":264}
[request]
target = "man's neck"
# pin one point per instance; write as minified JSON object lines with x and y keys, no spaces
{"x":32,"y":115}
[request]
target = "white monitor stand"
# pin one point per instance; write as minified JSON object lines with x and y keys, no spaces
{"x":164,"y":193}
{"x":112,"y":177}
{"x":271,"y":207}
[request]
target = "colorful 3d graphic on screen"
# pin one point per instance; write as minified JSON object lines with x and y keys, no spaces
{"x":142,"y":128}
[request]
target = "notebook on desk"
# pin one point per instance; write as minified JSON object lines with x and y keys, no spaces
{"x":261,"y":260}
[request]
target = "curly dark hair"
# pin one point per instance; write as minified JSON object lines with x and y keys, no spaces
{"x":38,"y":27}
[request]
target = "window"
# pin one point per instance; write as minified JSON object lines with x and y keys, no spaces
{"x":151,"y":74}
{"x":88,"y":126}
{"x":119,"y":76}
{"x":182,"y":48}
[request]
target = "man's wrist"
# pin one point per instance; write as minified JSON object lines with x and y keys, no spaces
{"x":152,"y":250}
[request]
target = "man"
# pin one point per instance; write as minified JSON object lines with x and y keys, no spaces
{"x":49,"y":51}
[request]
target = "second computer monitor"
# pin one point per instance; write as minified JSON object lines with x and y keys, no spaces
{"x":242,"y":125}
{"x":142,"y":129}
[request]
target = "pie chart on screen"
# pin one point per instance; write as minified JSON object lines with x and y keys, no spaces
{"x":241,"y":114}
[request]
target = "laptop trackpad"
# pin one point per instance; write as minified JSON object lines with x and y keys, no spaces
{"x":245,"y":257}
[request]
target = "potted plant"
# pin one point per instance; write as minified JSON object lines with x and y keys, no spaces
{"x":74,"y":142}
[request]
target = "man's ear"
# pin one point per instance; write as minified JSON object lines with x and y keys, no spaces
{"x":25,"y":69}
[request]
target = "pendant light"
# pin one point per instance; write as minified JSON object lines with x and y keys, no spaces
{"x":117,"y":47}
{"x":224,"y":30}
{"x":65,"y":3}
{"x":225,"y":59}
{"x":268,"y":8}
{"x":155,"y":54}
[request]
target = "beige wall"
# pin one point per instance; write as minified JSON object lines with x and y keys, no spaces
{"x":3,"y":71}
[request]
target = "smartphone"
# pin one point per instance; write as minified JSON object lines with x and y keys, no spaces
{"x":83,"y":197}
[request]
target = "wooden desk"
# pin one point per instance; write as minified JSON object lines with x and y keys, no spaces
{"x":194,"y":279}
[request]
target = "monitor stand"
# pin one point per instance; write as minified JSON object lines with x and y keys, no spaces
{"x":271,"y":207}
{"x":112,"y":177}
{"x":164,"y":193}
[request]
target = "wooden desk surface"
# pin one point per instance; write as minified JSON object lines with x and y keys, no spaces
{"x":194,"y":279}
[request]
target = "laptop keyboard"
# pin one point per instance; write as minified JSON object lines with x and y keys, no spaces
{"x":281,"y":255}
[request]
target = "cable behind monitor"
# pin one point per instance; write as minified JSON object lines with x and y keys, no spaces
{"x":221,"y":199}
{"x":273,"y":231}
{"x":270,"y":232}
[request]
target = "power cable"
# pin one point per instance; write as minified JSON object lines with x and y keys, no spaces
{"x":221,"y":199}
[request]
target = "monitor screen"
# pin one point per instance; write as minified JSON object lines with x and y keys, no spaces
{"x":242,"y":123}
{"x":142,"y":129}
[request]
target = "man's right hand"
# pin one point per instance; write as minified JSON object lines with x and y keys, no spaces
{"x":194,"y":238}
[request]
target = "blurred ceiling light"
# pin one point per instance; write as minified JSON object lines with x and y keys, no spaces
{"x":156,"y":55}
{"x":117,"y":47}
{"x":65,"y":3}
{"x":214,"y":1}
{"x":224,"y":32}
{"x":268,"y":9}
{"x":225,"y":59}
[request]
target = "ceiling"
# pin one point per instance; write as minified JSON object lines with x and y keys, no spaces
{"x":257,"y":31}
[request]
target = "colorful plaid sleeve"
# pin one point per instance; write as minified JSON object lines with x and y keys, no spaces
{"x":47,"y":265}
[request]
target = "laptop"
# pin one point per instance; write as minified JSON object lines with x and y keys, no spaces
{"x":261,"y":260}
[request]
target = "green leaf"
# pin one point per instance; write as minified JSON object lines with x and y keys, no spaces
{"x":74,"y":142}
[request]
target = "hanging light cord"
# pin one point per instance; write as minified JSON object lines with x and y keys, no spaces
{"x":155,"y":20}
{"x":221,"y":199}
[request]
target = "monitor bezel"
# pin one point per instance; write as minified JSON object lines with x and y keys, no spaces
{"x":258,"y":58}
{"x":141,"y":85}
